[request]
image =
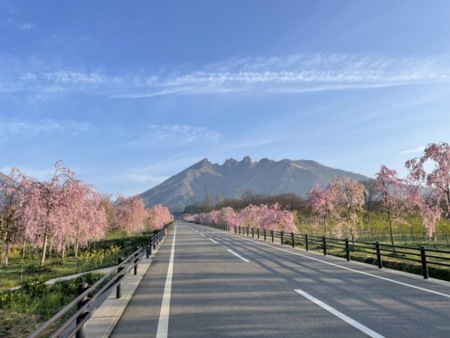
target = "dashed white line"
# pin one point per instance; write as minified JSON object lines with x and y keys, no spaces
{"x":163,"y":323}
{"x":213,"y":241}
{"x":350,"y":269}
{"x":340,"y":315}
{"x":239,"y":256}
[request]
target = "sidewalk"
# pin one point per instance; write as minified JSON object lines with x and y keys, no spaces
{"x":106,"y":316}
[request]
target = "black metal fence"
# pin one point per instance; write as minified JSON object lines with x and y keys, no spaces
{"x":418,"y":256}
{"x":90,"y":296}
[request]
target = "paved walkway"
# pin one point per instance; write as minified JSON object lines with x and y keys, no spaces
{"x":105,"y":318}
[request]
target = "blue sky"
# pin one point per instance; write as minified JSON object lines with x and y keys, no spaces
{"x":127,"y":94}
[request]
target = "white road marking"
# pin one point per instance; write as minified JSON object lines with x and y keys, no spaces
{"x":163,"y":323}
{"x":201,"y":233}
{"x":340,"y":315}
{"x":213,"y":241}
{"x":239,"y":256}
{"x":346,"y":268}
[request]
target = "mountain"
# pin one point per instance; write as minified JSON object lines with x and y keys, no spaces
{"x":233,"y":178}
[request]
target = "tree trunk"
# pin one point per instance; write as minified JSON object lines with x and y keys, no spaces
{"x":391,"y":234}
{"x":63,"y":251}
{"x":5,"y":254}
{"x":44,"y":249}
{"x":75,"y":248}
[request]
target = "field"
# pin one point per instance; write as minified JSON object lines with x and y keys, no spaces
{"x":33,"y":301}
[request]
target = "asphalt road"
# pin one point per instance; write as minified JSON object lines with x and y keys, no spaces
{"x":208,"y":283}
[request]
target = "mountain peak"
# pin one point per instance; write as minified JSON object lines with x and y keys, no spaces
{"x":232,"y":178}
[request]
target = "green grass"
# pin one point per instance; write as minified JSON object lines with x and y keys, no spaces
{"x":397,"y":261}
{"x":23,"y":310}
{"x":100,"y":255}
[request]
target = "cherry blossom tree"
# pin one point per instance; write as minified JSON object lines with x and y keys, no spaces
{"x":436,"y":183}
{"x":108,"y":206}
{"x":257,"y":217}
{"x":228,"y":216}
{"x":44,"y":209}
{"x":322,"y":203}
{"x":61,"y":212}
{"x":423,"y":202}
{"x":130,"y":214}
{"x":85,"y":216}
{"x":12,"y":193}
{"x":251,"y":216}
{"x":158,"y":216}
{"x":273,"y":218}
{"x":393,"y":196}
{"x":348,"y":200}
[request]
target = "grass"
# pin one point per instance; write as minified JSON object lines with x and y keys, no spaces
{"x":24,"y":309}
{"x":101,"y":254}
{"x":402,"y":260}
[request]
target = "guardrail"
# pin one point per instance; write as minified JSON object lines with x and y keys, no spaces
{"x":424,"y":256}
{"x":85,"y":304}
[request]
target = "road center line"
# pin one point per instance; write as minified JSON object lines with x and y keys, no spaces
{"x":340,"y":315}
{"x":201,"y":233}
{"x":239,"y":256}
{"x":163,"y":323}
{"x":213,"y":241}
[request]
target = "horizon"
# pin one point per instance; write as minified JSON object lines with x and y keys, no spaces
{"x":129,"y":95}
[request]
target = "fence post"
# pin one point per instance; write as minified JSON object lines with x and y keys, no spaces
{"x":82,"y":287}
{"x":324,"y":242}
{"x":248,"y":230}
{"x":149,"y":247}
{"x":136,"y":260}
{"x":265,"y":235}
{"x":253,"y":233}
{"x":423,"y":258}
{"x":257,"y":232}
{"x":281,"y":238}
{"x":271,"y":233}
{"x":306,"y":242}
{"x":380,"y":263}
{"x":293,"y":239}
{"x":119,"y":285}
{"x":347,"y":250}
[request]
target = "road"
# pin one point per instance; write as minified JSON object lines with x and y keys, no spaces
{"x":208,"y":283}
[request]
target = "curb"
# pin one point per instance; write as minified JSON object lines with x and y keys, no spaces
{"x":106,"y":316}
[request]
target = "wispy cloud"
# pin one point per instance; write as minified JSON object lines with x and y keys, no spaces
{"x":33,"y":128}
{"x":13,"y":18}
{"x":176,"y":135}
{"x":275,"y":75}
{"x":413,"y":151}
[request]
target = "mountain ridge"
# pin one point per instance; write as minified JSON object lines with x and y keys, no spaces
{"x":232,"y":178}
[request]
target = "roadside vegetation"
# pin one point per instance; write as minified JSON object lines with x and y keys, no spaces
{"x":61,"y":227}
{"x":411,"y":211}
{"x":33,"y":300}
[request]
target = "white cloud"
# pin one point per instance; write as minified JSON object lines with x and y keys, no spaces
{"x":26,"y":26}
{"x":300,"y":73}
{"x":275,"y":75}
{"x":176,"y":135}
{"x":413,"y":151}
{"x":26,"y":128}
